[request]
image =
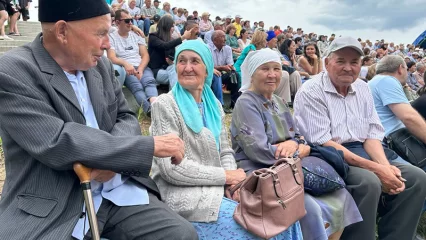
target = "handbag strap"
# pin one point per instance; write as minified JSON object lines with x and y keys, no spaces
{"x":237,"y":186}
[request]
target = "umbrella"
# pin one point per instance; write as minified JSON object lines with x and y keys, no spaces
{"x":83,"y":174}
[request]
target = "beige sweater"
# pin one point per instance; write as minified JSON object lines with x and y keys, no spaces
{"x":195,"y":187}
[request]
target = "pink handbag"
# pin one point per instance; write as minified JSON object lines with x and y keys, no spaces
{"x":271,"y":199}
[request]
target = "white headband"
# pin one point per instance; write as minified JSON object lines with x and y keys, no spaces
{"x":253,"y":60}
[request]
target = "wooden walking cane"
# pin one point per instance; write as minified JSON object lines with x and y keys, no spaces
{"x":83,"y":174}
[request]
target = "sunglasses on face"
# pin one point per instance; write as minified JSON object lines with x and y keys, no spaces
{"x":128,"y":20}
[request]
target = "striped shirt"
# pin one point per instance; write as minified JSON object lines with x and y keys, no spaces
{"x":149,"y":11}
{"x":221,"y":57}
{"x":322,"y":114}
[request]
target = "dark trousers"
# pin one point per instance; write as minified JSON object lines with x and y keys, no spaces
{"x":232,"y":87}
{"x":397,"y":215}
{"x":153,"y":221}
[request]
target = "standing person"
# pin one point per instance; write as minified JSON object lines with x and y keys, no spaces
{"x":8,"y":11}
{"x":4,"y":16}
{"x":65,"y":105}
{"x":337,"y":109}
{"x":129,"y":51}
{"x":24,"y":7}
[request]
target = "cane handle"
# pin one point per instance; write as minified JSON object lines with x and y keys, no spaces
{"x":82,"y":172}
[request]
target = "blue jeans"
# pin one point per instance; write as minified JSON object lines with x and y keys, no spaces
{"x":226,"y":228}
{"x":143,"y":25}
{"x":217,"y":88}
{"x":167,"y":76}
{"x":121,"y":73}
{"x":143,"y":89}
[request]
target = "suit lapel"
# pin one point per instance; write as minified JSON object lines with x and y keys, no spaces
{"x":95,"y":87}
{"x":48,"y":65}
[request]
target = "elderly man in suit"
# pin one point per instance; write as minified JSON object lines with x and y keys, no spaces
{"x":62,"y":104}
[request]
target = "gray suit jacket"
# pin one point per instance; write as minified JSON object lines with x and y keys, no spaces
{"x":44,"y":133}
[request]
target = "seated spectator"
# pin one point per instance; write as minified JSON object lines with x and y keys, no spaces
{"x":294,"y":77}
{"x":157,"y":6}
{"x":411,"y":78}
{"x":217,"y":25}
{"x":243,"y":42}
{"x":237,"y":25}
{"x":195,"y":16}
{"x":420,"y":72}
{"x":257,"y":146}
{"x":371,"y":72}
{"x":148,"y":11}
{"x":153,"y":27}
{"x":310,"y":62}
{"x":166,"y":10}
{"x":246,"y":26}
{"x":259,"y":41}
{"x":161,"y":49}
{"x":232,"y":41}
{"x":121,"y":4}
{"x":280,"y":39}
{"x":299,"y":45}
{"x":337,"y":109}
{"x":180,"y":19}
{"x":174,"y":11}
{"x":192,"y":26}
{"x":367,"y":52}
{"x":420,"y":103}
{"x":322,"y":45}
{"x":135,"y":13}
{"x":288,"y":53}
{"x":224,"y":71}
{"x":61,"y":104}
{"x":195,"y":188}
{"x":299,"y":33}
{"x":366,"y":62}
{"x":255,"y":26}
{"x":205,"y":24}
{"x":129,"y":51}
{"x":392,"y":106}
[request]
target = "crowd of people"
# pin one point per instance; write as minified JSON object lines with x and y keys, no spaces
{"x":11,"y":11}
{"x":63,"y":102}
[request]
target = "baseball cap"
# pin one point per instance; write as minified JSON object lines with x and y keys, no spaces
{"x":218,"y":23}
{"x":344,"y":42}
{"x":238,"y":16}
{"x":157,"y":1}
{"x":157,"y":17}
{"x":229,"y":16}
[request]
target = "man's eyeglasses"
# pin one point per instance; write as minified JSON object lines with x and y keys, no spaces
{"x":128,"y":20}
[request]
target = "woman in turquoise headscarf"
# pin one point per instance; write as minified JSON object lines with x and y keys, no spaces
{"x":195,"y":187}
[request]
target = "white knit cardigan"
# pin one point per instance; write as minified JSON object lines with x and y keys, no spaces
{"x":194,"y":188}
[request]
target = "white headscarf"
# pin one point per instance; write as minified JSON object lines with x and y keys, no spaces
{"x":253,"y":60}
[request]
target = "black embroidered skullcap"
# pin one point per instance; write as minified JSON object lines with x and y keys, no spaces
{"x":71,"y":10}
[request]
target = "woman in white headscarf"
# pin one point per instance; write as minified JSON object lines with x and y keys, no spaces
{"x":262,"y":131}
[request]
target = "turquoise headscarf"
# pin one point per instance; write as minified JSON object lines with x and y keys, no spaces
{"x":186,"y":103}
